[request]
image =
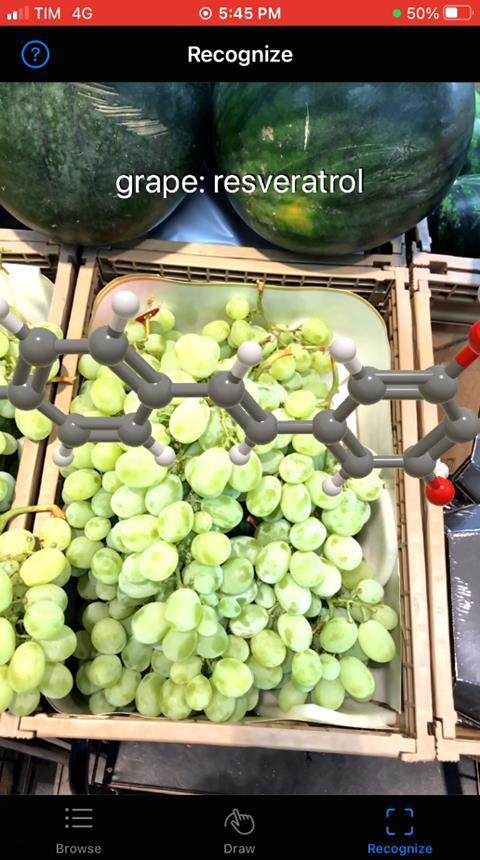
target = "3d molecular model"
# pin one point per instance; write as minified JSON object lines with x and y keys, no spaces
{"x":108,"y":345}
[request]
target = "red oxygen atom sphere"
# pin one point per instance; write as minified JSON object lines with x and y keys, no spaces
{"x":474,"y":337}
{"x":440,"y":491}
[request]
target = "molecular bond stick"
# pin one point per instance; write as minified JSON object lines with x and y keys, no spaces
{"x":108,"y":345}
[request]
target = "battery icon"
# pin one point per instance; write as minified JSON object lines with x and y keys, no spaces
{"x":457,"y":13}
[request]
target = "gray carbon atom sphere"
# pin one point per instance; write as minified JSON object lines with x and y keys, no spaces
{"x":327,"y":429}
{"x":71,"y":433}
{"x":356,"y":466}
{"x":225,"y":390}
{"x":418,"y":466}
{"x":440,"y":387}
{"x":39,"y":347}
{"x":125,"y":304}
{"x":261,"y":432}
{"x":24,"y":396}
{"x":367,"y":388}
{"x":464,"y":428}
{"x":155,"y":395}
{"x":106,"y":349}
{"x":133,"y":434}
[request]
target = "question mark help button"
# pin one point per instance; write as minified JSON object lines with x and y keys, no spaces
{"x":35,"y":54}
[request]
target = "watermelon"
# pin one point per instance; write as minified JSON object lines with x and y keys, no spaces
{"x":455,"y":224}
{"x":472,"y":164}
{"x":409,"y":138}
{"x":63,"y":146}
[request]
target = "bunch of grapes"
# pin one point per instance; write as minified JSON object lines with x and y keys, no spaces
{"x":207,"y":583}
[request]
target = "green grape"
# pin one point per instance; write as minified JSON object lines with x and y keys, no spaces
{"x":296,"y":468}
{"x":123,"y":692}
{"x":369,"y":591}
{"x":105,"y":670}
{"x":251,"y":620}
{"x":189,"y":420}
{"x":209,"y":578}
{"x":214,"y":434}
{"x":225,"y":512}
{"x":114,"y":538}
{"x":6,"y":692}
{"x":356,"y":651}
{"x":376,"y":641}
{"x":295,"y":632}
{"x":183,"y":610}
{"x":183,"y":672}
{"x":253,"y":696}
{"x":229,"y":607}
{"x":307,"y":445}
{"x":351,"y":578}
{"x":300,"y":404}
{"x":26,"y":667}
{"x":295,"y":503}
{"x":209,"y":473}
{"x":25,"y":703}
{"x":270,"y":462}
{"x":158,"y":561}
{"x":307,"y":569}
{"x":279,"y":530}
{"x":111,"y":481}
{"x":82,"y":456}
{"x":198,"y":693}
{"x":160,"y":664}
{"x":82,"y":681}
{"x":244,"y":547}
{"x":43,"y":620}
{"x":101,"y":504}
{"x":174,"y":704}
{"x":315,"y":488}
{"x":331,"y":581}
{"x":213,"y":646}
{"x":218,"y":329}
{"x":97,"y":528}
{"x":6,"y":591}
{"x":247,"y":477}
{"x":88,"y":367}
{"x":343,"y":552}
{"x":197,"y":355}
{"x":265,"y":497}
{"x":57,"y":681}
{"x":239,"y":333}
{"x":290,"y":695}
{"x":307,"y":669}
{"x":128,"y":502}
{"x":33,"y":425}
{"x":211,"y":548}
{"x":16,"y":544}
{"x":175,"y":522}
{"x":273,"y":562}
{"x":268,"y":649}
{"x":131,"y":583}
{"x":316,"y":331}
{"x":54,"y":533}
{"x":84,"y":650}
{"x":60,"y":649}
{"x":283,"y":368}
{"x":178,"y":645}
{"x":338,"y":635}
{"x":42,"y":567}
{"x":202,"y":522}
{"x":263,"y":678}
{"x":237,"y":308}
{"x":136,"y":655}
{"x":108,"y":636}
{"x":329,"y":694}
{"x":330,"y":667}
{"x":231,"y":677}
{"x":164,"y":320}
{"x":162,"y":494}
{"x":247,"y":596}
{"x":78,"y":514}
{"x":238,"y":575}
{"x":137,"y":468}
{"x":292,"y":597}
{"x":367,"y":489}
{"x":348,"y":517}
{"x":148,"y":695}
{"x":86,"y":587}
{"x":7,"y":641}
{"x":105,"y":456}
{"x":357,"y":679}
{"x":92,"y":613}
{"x":308,"y":535}
{"x":106,"y":565}
{"x":138,"y":533}
{"x":209,"y":623}
{"x":321,"y":362}
{"x":265,"y":596}
{"x":98,"y":703}
{"x":155,"y":344}
{"x":149,"y":623}
{"x":220,"y":708}
{"x":107,"y":394}
{"x":385,"y":615}
{"x":237,"y":648}
{"x":81,"y":485}
{"x":80,"y":552}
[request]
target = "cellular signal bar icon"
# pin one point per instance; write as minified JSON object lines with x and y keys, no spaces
{"x":19,"y":14}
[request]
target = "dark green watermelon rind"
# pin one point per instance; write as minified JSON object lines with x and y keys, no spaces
{"x":472,"y":164}
{"x":455,"y":224}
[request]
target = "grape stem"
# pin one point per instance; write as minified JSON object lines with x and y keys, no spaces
{"x":29,"y":509}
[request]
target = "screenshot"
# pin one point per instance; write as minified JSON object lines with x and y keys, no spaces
{"x":239,"y":428}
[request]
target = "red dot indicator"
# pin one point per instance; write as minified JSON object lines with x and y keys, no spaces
{"x":440,"y":491}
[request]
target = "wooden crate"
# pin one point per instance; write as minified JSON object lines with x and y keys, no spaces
{"x":58,"y":264}
{"x":452,"y":738}
{"x":412,"y":737}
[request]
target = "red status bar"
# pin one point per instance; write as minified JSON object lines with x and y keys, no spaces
{"x":288,"y":13}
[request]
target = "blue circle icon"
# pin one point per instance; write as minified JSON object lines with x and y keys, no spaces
{"x":35,"y":54}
